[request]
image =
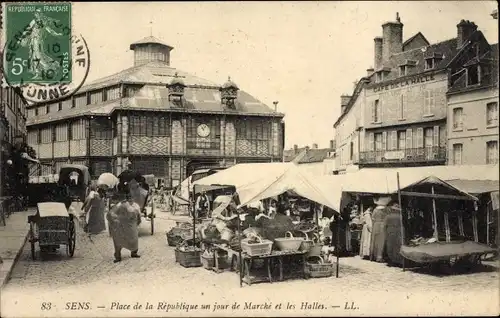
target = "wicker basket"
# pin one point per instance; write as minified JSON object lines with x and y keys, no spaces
{"x":208,"y":262}
{"x":320,"y":269}
{"x":315,"y":249}
{"x":306,"y":245}
{"x":188,"y":258}
{"x":264,"y":247}
{"x":289,"y":243}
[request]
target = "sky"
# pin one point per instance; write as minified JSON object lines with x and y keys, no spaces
{"x":302,"y":54}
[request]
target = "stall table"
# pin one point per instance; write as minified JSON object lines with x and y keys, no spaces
{"x":269,"y":260}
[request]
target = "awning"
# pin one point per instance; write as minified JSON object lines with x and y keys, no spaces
{"x":380,"y":181}
{"x":475,"y":186}
{"x":260,"y":181}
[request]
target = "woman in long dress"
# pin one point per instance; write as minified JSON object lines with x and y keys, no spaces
{"x":366,"y":234}
{"x":94,"y":207}
{"x":392,"y":228}
{"x":123,"y":221}
{"x":378,"y":233}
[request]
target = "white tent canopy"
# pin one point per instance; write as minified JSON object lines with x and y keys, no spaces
{"x":259,"y":181}
{"x":383,"y":181}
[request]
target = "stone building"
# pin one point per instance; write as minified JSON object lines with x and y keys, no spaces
{"x":12,"y":121}
{"x":473,"y":106}
{"x":397,"y":114}
{"x":155,"y":119}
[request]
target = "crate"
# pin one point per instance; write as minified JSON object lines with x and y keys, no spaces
{"x":189,"y":258}
{"x":257,"y":249}
{"x":318,"y":270}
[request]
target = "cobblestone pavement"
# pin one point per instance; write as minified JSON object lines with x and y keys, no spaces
{"x":92,"y":275}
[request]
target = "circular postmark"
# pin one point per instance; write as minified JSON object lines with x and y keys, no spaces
{"x":42,"y":56}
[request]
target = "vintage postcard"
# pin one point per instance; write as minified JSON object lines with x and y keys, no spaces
{"x":273,"y":158}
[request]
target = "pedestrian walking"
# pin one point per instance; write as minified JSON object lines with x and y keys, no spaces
{"x":123,"y":220}
{"x":94,"y":208}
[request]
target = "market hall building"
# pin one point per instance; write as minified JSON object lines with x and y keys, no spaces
{"x":154,"y":119}
{"x":397,"y":114}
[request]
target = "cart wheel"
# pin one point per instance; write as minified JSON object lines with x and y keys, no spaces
{"x":32,"y":242}
{"x":152,"y":218}
{"x":70,"y":247}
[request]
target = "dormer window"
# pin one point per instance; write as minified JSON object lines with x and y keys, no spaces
{"x":381,"y":74}
{"x":176,"y":90}
{"x":429,"y":64}
{"x":229,"y":94}
{"x":402,"y":70}
{"x":432,"y":60}
{"x":473,"y":75}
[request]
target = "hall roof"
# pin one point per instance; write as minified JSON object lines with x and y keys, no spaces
{"x":200,"y":95}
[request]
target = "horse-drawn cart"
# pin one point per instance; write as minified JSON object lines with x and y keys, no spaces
{"x":52,"y":226}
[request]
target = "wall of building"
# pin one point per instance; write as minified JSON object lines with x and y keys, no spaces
{"x":475,"y":132}
{"x":346,"y":133}
{"x":165,"y":154}
{"x":326,"y":167}
{"x":414,"y":92}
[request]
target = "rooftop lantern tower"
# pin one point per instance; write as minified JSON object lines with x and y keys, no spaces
{"x":150,"y":49}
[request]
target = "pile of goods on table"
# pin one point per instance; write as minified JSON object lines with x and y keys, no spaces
{"x":183,"y":231}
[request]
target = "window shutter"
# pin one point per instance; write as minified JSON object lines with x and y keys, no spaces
{"x":394,"y":140}
{"x":409,"y":138}
{"x":436,"y":136}
{"x":426,"y":102}
{"x":380,"y":111}
{"x":374,"y":112}
{"x":384,"y":140}
{"x":402,"y":106}
{"x":420,"y":137}
{"x":371,"y":141}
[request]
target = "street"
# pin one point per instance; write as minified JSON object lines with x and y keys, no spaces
{"x":162,"y":287}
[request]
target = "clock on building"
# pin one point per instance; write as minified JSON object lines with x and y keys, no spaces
{"x":203,"y":130}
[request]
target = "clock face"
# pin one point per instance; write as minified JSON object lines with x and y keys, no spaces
{"x":203,"y":130}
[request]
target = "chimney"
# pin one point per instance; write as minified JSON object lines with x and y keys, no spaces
{"x":378,"y":52}
{"x":275,"y":106}
{"x":392,"y":42}
{"x":315,"y":146}
{"x":344,"y":100}
{"x":464,"y":30}
{"x":295,"y":149}
{"x":369,"y":72}
{"x":332,"y":144}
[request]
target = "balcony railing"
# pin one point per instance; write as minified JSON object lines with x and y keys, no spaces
{"x":423,"y":154}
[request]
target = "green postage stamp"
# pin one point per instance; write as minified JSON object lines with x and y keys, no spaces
{"x":38,"y":43}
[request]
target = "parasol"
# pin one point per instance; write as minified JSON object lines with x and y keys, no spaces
{"x":129,"y":175}
{"x":107,"y":180}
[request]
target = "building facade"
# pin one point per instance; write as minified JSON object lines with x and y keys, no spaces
{"x":154,"y":119}
{"x":12,"y":122}
{"x":473,"y":107}
{"x":398,"y":113}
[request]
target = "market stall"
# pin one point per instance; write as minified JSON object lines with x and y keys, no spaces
{"x":250,"y":233}
{"x":438,"y":221}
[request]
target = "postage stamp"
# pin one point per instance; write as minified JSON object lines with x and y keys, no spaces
{"x":41,"y":34}
{"x":43,"y":55}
